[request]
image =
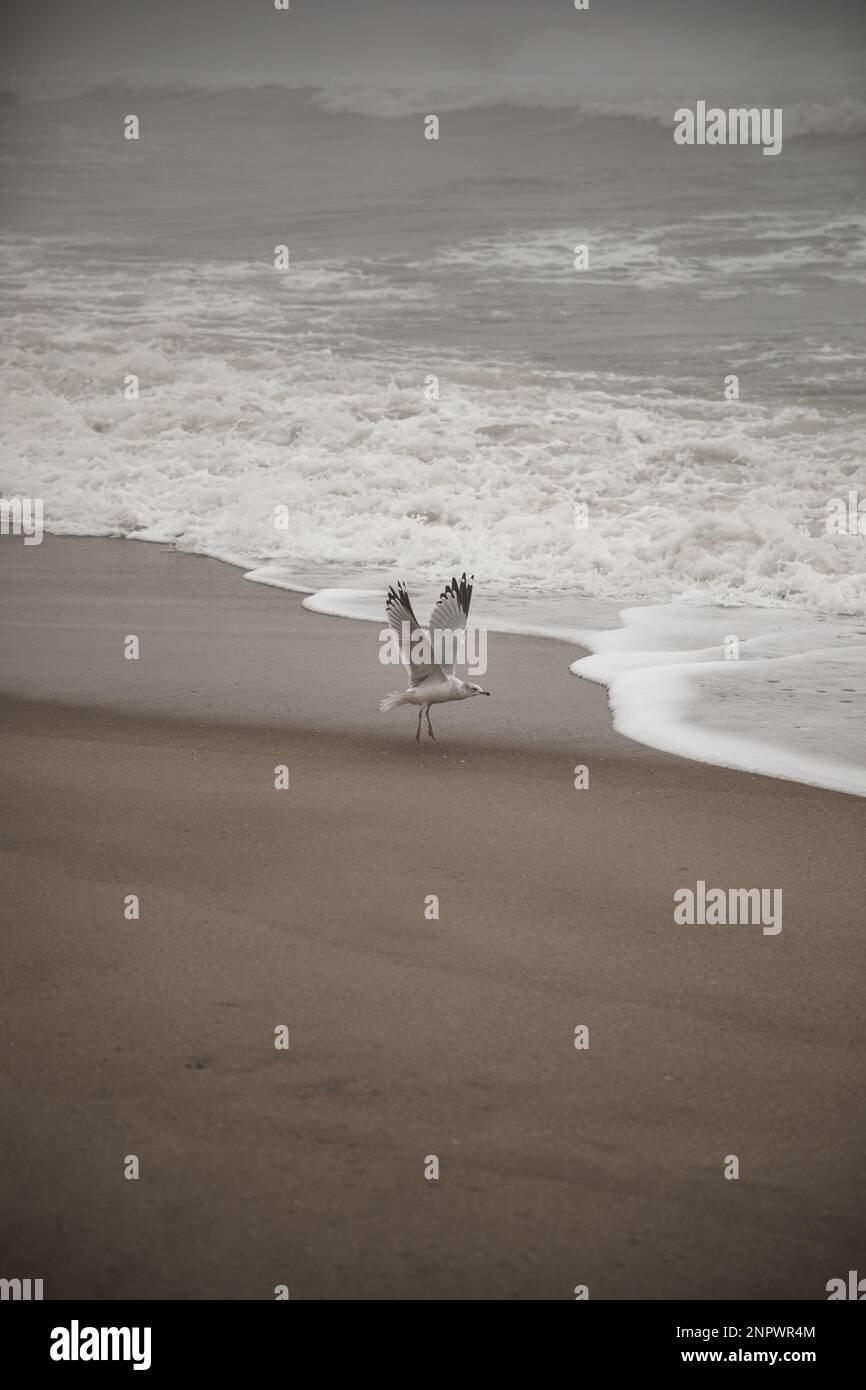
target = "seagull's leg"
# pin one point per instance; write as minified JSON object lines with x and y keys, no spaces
{"x":418,"y":730}
{"x":429,"y":725}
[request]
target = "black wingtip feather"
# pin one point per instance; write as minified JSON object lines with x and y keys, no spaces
{"x":461,"y":589}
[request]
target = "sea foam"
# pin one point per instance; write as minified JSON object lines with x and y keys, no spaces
{"x":559,"y":488}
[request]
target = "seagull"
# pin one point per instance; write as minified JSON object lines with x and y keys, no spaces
{"x":430,"y":683}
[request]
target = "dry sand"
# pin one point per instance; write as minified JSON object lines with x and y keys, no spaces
{"x":409,"y":1037}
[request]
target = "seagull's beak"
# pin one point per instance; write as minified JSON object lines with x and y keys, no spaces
{"x":485,"y":692}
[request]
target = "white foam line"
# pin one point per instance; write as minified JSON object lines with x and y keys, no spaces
{"x":649,"y":693}
{"x":649,"y":704}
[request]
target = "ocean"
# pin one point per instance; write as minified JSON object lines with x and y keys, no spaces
{"x":432,"y":386}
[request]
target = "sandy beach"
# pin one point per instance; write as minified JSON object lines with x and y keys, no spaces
{"x":409,"y":1037}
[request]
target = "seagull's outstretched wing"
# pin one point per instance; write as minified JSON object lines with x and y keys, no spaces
{"x":448,"y":620}
{"x":411,"y":636}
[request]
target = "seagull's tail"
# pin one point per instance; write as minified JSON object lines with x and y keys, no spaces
{"x":391,"y":701}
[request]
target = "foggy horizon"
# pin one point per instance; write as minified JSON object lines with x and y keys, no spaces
{"x":57,"y":46}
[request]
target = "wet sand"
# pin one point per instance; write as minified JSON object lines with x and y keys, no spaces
{"x":409,"y":1037}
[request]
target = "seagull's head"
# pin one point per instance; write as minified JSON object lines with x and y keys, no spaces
{"x":470,"y":689}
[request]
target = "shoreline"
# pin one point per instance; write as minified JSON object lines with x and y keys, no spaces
{"x":218,"y":648}
{"x":617,"y":718}
{"x":410,"y":1036}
